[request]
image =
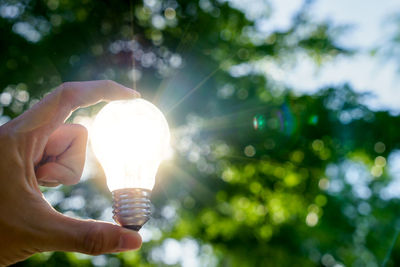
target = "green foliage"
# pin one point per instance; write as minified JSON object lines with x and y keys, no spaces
{"x":260,"y":176}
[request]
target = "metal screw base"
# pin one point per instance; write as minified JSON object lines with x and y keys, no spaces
{"x":131,"y":207}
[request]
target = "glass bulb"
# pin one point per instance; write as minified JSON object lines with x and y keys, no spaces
{"x":130,"y":138}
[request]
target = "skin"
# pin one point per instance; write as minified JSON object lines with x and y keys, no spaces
{"x":38,"y":148}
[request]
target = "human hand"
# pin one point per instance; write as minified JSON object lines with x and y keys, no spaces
{"x":38,"y":148}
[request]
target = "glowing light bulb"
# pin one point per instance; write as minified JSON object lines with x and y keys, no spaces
{"x":130,"y":138}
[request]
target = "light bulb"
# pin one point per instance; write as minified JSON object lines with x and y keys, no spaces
{"x":130,"y":138}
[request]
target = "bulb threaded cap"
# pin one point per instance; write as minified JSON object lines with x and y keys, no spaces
{"x":132,"y":207}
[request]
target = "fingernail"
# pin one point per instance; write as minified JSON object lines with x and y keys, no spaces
{"x":135,"y":93}
{"x":48,"y":184}
{"x":129,"y":240}
{"x":47,"y":180}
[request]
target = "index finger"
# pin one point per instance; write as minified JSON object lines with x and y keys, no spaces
{"x":48,"y":114}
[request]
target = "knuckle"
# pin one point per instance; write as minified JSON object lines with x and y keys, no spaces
{"x":94,"y":241}
{"x":65,"y":86}
{"x":109,"y":83}
{"x":8,"y":136}
{"x":18,"y":145}
{"x":69,"y":93}
{"x":5,"y":132}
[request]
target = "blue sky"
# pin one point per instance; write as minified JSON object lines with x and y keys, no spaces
{"x":370,"y":26}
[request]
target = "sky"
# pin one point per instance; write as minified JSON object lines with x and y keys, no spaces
{"x":370,"y":26}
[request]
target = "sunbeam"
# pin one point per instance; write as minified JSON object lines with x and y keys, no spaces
{"x":191,"y":182}
{"x":183,"y":45}
{"x":133,"y":73}
{"x":194,"y":89}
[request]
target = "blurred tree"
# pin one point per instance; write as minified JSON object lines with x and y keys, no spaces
{"x":260,"y":176}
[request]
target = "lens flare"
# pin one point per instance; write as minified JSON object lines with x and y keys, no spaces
{"x":280,"y":119}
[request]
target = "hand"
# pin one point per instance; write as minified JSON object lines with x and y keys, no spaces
{"x":38,"y":148}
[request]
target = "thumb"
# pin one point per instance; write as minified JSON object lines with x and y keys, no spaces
{"x":91,"y":237}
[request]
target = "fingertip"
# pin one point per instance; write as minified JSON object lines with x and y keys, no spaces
{"x":129,"y":240}
{"x":137,"y":93}
{"x":134,"y":93}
